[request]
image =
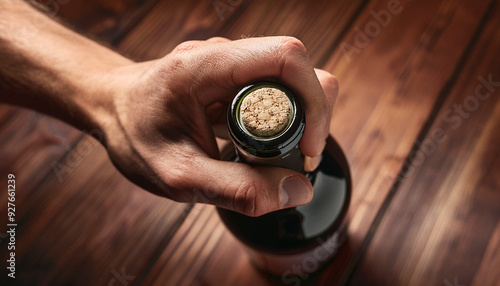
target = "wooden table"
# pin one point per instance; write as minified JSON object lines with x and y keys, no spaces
{"x":418,"y":116}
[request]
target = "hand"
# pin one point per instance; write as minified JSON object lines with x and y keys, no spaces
{"x":161,"y":136}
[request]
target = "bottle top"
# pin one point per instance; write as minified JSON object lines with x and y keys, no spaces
{"x":265,"y":112}
{"x":266,"y":119}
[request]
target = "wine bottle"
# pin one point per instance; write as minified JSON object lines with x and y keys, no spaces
{"x":266,"y":122}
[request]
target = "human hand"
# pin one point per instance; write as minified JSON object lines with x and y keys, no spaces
{"x":161,"y":136}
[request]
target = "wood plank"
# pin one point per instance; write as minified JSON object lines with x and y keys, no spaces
{"x":388,"y":90}
{"x":443,"y":223}
{"x":108,"y":21}
{"x":173,"y":22}
{"x":203,"y":244}
{"x":387,"y":105}
{"x":31,"y":144}
{"x":487,"y":273}
{"x":250,"y":18}
{"x":78,"y":235}
{"x":190,"y":241}
{"x":319,"y":26}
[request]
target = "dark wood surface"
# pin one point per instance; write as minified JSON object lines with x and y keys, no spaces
{"x":425,"y":207}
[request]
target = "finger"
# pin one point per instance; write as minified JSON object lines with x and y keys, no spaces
{"x":191,"y":46}
{"x":311,"y":163}
{"x":218,"y":40}
{"x":236,"y":63}
{"x":246,"y":189}
{"x":330,"y":86}
{"x":217,"y":112}
{"x":221,"y":131}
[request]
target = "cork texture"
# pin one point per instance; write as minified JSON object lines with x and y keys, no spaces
{"x":265,"y":112}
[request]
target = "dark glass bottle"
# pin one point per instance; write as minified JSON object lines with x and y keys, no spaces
{"x":300,"y":239}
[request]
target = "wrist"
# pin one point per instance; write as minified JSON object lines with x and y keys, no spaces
{"x":113,"y":105}
{"x":98,"y":96}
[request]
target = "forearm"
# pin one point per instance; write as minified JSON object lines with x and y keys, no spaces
{"x":49,"y":68}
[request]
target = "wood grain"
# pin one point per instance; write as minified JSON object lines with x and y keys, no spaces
{"x":82,"y":223}
{"x":443,"y":223}
{"x":380,"y":111}
{"x":415,"y":56}
{"x":293,"y":18}
{"x":171,"y":23}
{"x":250,"y":18}
{"x":78,"y":235}
{"x":107,"y":20}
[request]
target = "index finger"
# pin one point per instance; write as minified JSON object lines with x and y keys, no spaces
{"x":237,"y":63}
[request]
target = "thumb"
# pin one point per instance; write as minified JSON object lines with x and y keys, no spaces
{"x":250,"y":190}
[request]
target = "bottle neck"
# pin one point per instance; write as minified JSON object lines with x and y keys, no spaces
{"x":280,"y":150}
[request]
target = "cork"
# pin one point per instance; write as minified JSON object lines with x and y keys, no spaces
{"x":265,"y":112}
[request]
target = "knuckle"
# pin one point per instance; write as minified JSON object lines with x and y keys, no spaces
{"x":212,"y":61}
{"x":331,"y":87}
{"x":185,"y":47}
{"x":292,"y":45}
{"x":218,"y":39}
{"x":244,"y":199}
{"x":291,"y":55}
{"x":331,"y":80}
{"x":180,"y":174}
{"x":171,"y":66}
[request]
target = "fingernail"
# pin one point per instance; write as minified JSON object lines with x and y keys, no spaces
{"x":310,"y":164}
{"x":294,"y":191}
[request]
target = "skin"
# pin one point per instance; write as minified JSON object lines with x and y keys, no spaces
{"x":157,"y":117}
